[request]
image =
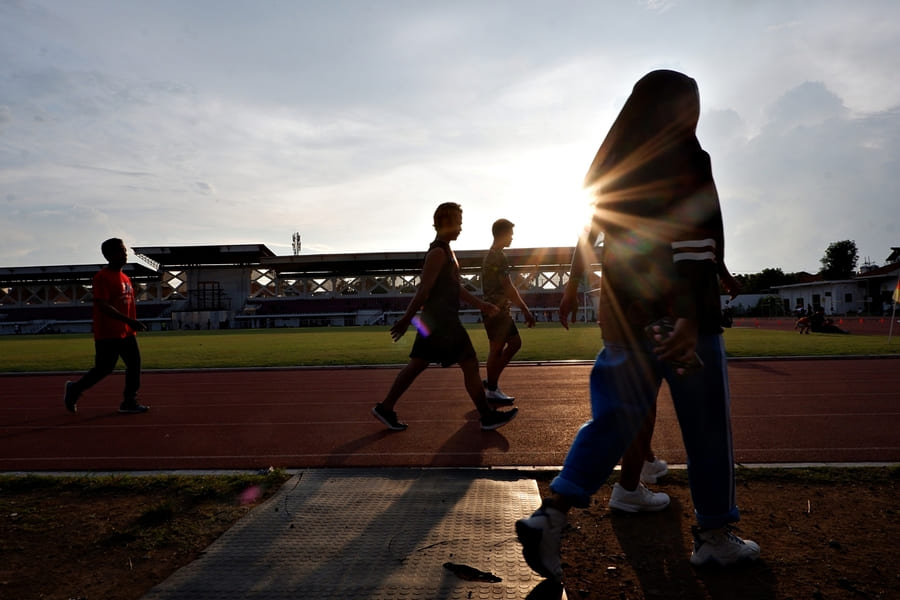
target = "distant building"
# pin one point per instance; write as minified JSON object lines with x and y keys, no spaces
{"x":248,"y":286}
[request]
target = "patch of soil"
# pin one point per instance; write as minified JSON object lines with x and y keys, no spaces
{"x":822,"y":534}
{"x":57,"y":542}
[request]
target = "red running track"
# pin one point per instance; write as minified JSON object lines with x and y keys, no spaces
{"x":783,"y":411}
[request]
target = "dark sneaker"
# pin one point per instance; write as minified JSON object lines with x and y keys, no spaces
{"x":132,"y":408}
{"x":70,"y":397}
{"x":497,"y":419}
{"x":388,"y":417}
{"x":721,"y":547}
{"x":540,"y":536}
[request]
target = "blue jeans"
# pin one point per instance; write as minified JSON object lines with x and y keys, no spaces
{"x":624,"y":386}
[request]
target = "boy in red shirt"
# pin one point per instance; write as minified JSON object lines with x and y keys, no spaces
{"x":115,"y":325}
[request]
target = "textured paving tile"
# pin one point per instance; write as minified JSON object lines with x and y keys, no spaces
{"x":370,"y":534}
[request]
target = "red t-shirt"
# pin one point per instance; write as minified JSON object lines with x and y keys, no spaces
{"x":115,"y":288}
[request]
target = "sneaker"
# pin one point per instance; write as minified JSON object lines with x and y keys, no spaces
{"x":132,"y":408}
{"x":721,"y":547}
{"x":540,"y":535}
{"x":70,"y":397}
{"x":653,"y":470}
{"x":497,"y":419}
{"x":388,"y":417}
{"x":640,"y":500}
{"x":496,"y":396}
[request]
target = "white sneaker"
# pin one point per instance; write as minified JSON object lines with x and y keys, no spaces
{"x":497,"y":396}
{"x":721,"y":547}
{"x":640,"y":500}
{"x":653,"y":470}
{"x":539,"y":535}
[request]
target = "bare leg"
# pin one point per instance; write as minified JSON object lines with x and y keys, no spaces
{"x":500,"y":355}
{"x":403,"y":380}
{"x":474,"y":387}
{"x":639,"y":451}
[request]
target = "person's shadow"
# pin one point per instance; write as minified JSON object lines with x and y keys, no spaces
{"x":657,"y":550}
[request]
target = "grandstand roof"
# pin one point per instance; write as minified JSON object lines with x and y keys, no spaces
{"x":369,"y":262}
{"x":58,"y":274}
{"x":183,"y":256}
{"x":258,"y":254}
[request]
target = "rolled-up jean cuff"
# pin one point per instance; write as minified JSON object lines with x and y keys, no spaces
{"x":716,"y":521}
{"x":573,"y":493}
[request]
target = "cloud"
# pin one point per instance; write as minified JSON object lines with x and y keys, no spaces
{"x":814,"y":175}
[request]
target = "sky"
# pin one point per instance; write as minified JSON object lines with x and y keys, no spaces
{"x":189,"y":122}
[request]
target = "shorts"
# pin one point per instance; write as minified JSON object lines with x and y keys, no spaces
{"x":500,"y":327}
{"x":447,"y":345}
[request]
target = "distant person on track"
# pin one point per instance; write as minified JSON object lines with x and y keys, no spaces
{"x":658,"y":210}
{"x":498,"y":289}
{"x":819,"y":323}
{"x":115,"y":326}
{"x":441,"y":337}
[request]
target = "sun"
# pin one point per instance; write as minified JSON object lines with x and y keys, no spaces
{"x":551,"y":206}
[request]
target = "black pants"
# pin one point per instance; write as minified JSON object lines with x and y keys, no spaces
{"x":105,"y":359}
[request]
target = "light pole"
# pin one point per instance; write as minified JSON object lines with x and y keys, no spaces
{"x":586,"y":293}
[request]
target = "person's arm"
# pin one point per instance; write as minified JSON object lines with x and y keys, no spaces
{"x":469,"y":298}
{"x":434,"y":262}
{"x":112,"y":312}
{"x":692,"y":271}
{"x":729,"y":282}
{"x":513,"y":295}
{"x":584,"y":253}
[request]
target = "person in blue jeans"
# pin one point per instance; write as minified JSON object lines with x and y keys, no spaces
{"x":657,"y":208}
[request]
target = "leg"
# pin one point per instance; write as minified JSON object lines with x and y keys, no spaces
{"x":703,"y":407}
{"x":637,"y":453}
{"x":490,"y":418}
{"x":131,"y":356}
{"x":628,"y":494}
{"x":384,"y":411}
{"x":403,"y":380}
{"x":495,"y":354}
{"x":624,"y":386}
{"x":500,"y":356}
{"x":474,"y":386}
{"x":105,"y":358}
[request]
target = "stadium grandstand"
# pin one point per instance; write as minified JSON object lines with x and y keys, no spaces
{"x":248,"y":286}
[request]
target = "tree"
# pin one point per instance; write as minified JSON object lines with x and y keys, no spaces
{"x":839,"y":261}
{"x":759,"y":283}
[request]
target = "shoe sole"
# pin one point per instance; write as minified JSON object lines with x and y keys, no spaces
{"x":530,"y":539}
{"x":712,"y":562}
{"x":631,"y":508}
{"x":386,"y":422}
{"x":500,"y":424}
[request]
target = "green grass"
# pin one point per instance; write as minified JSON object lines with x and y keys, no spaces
{"x":372,"y":345}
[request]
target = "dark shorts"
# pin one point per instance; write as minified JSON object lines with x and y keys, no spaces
{"x":447,"y":345}
{"x":501,"y":327}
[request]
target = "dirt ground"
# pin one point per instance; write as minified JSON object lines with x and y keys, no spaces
{"x":824,"y":534}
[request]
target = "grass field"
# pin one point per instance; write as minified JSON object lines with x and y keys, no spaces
{"x":372,"y":346}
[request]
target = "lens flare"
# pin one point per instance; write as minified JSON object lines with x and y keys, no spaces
{"x":421,"y":327}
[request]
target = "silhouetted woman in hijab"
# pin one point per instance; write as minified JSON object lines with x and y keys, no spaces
{"x":657,"y":208}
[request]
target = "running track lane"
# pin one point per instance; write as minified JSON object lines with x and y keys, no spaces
{"x":782,"y":411}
